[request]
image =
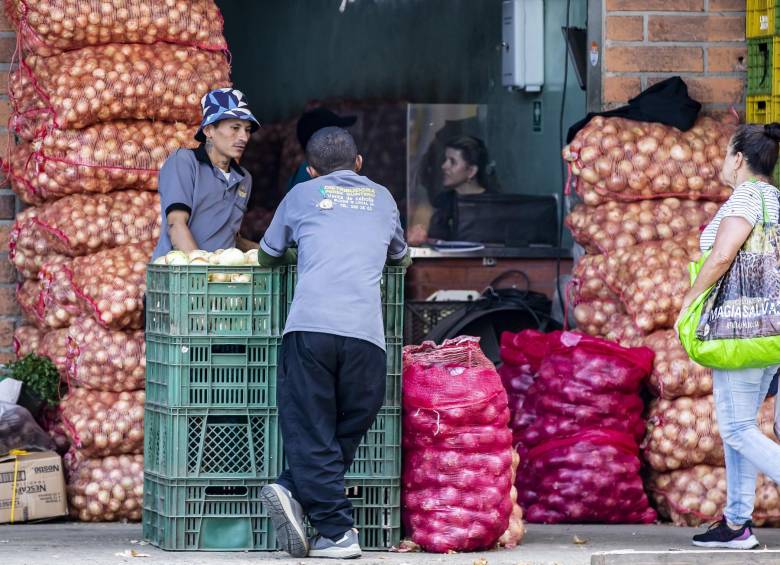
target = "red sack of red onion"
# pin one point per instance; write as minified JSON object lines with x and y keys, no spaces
{"x":102,"y":359}
{"x":457,"y":470}
{"x":592,"y":477}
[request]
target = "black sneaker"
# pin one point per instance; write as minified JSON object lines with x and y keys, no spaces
{"x":720,"y":535}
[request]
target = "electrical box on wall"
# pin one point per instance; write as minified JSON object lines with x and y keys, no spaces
{"x":522,"y":65}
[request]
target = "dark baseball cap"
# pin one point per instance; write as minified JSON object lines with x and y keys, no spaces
{"x":314,"y":120}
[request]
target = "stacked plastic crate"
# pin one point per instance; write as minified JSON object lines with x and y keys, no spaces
{"x":211,"y":424}
{"x":762,"y":105}
{"x":374,"y":479}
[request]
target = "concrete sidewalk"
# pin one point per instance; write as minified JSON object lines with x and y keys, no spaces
{"x":88,"y":544}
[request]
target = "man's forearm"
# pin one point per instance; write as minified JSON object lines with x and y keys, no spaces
{"x":181,"y":238}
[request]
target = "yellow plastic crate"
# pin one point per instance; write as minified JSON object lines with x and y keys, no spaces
{"x":759,"y":109}
{"x":761,"y":18}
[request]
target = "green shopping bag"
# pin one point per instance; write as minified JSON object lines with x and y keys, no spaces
{"x":735,"y":324}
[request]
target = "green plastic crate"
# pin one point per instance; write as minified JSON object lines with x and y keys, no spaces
{"x":379,"y":454}
{"x":760,"y":65}
{"x":183,"y":301}
{"x":392,"y":289}
{"x":206,"y":515}
{"x":227,"y":515}
{"x":211,"y":372}
{"x":393,"y":390}
{"x":189,"y":443}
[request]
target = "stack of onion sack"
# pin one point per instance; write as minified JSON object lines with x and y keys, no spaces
{"x":685,"y":451}
{"x":581,"y":431}
{"x":457,"y":473}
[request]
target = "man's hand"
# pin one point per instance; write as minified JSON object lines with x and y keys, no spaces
{"x":405,"y":261}
{"x":245,"y":244}
{"x":290,"y":257}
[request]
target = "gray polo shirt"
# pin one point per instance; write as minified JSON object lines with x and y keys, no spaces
{"x":189,"y":182}
{"x":345,"y":226}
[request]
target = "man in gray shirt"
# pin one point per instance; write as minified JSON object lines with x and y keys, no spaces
{"x":204,"y":192}
{"x":333,"y":366}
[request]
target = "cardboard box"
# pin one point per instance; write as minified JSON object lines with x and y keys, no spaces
{"x":40,"y":487}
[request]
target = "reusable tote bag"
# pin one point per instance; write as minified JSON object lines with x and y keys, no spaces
{"x":735,"y":324}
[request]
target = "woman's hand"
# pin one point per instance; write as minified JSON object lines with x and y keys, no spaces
{"x":417,"y":235}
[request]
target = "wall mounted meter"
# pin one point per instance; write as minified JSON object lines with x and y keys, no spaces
{"x":522,"y":47}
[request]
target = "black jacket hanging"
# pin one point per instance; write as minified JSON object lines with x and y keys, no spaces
{"x":666,"y":102}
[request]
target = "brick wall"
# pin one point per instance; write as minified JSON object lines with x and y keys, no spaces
{"x":702,"y":41}
{"x":9,"y":310}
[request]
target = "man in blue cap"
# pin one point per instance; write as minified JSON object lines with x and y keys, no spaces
{"x":204,"y":192}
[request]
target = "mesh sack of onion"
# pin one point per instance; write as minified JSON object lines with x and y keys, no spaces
{"x":77,"y":89}
{"x":457,"y":472}
{"x":49,"y":27}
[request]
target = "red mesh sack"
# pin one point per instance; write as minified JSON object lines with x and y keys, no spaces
{"x":108,"y":489}
{"x":589,"y":280}
{"x":104,"y":423}
{"x":457,"y":448}
{"x":674,"y":373}
{"x":615,"y":225}
{"x":84,"y":223}
{"x":586,"y":383}
{"x":27,"y":339}
{"x":592,"y":477}
{"x":102,"y":359}
{"x":54,"y":345}
{"x":608,"y":319}
{"x":620,"y":159}
{"x":682,"y":433}
{"x":80,"y":88}
{"x":101,"y":158}
{"x":697,"y":496}
{"x":521,"y":356}
{"x":49,"y":27}
{"x":59,"y":304}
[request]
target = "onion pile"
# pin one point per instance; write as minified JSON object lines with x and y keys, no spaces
{"x":49,"y":27}
{"x":27,"y":340}
{"x":112,"y":284}
{"x":588,"y":279}
{"x":516,"y":530}
{"x":457,"y":473}
{"x":101,"y":158}
{"x":619,"y":159}
{"x":54,"y":345}
{"x":28,"y":296}
{"x":102,"y":359}
{"x":108,"y":489}
{"x":59,"y":304}
{"x":585,"y":479}
{"x":683,"y":432}
{"x":594,"y":316}
{"x":104,"y":423}
{"x":696,"y":496}
{"x":580,"y":425}
{"x":84,"y":223}
{"x":80,"y":88}
{"x":674,"y":373}
{"x":617,"y":225}
{"x":652,"y":279}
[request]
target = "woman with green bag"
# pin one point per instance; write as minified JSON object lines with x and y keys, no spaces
{"x":730,"y":321}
